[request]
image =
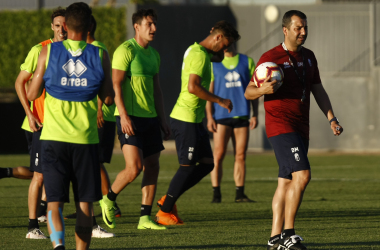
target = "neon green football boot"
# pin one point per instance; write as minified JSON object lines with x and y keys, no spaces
{"x":147,"y":223}
{"x":108,"y":211}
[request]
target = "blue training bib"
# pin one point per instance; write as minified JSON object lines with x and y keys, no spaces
{"x":231,"y":84}
{"x":73,"y":76}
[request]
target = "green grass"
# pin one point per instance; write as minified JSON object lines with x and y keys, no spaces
{"x":341,"y":208}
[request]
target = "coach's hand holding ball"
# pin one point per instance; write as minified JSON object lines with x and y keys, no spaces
{"x":269,"y":87}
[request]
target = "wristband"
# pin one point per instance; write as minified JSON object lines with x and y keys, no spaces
{"x":334,"y":120}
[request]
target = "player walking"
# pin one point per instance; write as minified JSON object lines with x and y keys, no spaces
{"x":287,"y":124}
{"x":73,"y":72}
{"x":229,"y":79}
{"x":139,"y":116}
{"x":33,"y":123}
{"x":192,"y":142}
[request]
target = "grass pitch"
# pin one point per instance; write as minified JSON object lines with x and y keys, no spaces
{"x":341,"y":208}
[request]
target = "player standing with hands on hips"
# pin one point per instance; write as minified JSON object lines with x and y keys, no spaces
{"x":287,"y":123}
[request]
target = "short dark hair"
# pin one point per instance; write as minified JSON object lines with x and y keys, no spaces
{"x":227,"y":30}
{"x":58,"y":12}
{"x":93,"y":26}
{"x":287,"y":18}
{"x":139,"y":15}
{"x":78,"y":17}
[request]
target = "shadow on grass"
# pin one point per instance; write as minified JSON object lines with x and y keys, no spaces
{"x":215,"y":246}
{"x":349,"y":245}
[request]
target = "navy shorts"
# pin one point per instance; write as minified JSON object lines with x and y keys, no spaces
{"x":64,"y":162}
{"x":147,"y":135}
{"x":29,"y":139}
{"x":291,"y":153}
{"x":191,"y":140}
{"x":106,"y":141}
{"x":35,"y":153}
{"x":234,"y":122}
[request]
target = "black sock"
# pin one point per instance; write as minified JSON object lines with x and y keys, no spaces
{"x":274,"y":239}
{"x":94,"y":222}
{"x":146,"y":210}
{"x":42,"y":209}
{"x":176,"y":185}
{"x":6,"y":172}
{"x":288,"y":232}
{"x":111,"y":195}
{"x":200,"y":171}
{"x":33,"y":223}
{"x":239,"y":192}
{"x":216,"y":191}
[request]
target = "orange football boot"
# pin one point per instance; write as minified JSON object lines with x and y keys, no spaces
{"x":174,"y":211}
{"x":167,"y":219}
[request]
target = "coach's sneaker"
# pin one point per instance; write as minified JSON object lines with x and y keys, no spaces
{"x":161,"y":201}
{"x":292,"y":243}
{"x":147,"y":223}
{"x":99,"y":232}
{"x":167,"y":219}
{"x":35,"y":233}
{"x":243,"y":199}
{"x":273,"y":246}
{"x":108,"y":211}
{"x":42,"y":219}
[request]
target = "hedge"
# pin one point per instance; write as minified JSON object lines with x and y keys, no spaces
{"x":21,"y":30}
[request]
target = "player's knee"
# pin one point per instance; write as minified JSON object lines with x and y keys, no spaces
{"x":303,"y":178}
{"x":240,"y":157}
{"x":38,"y":177}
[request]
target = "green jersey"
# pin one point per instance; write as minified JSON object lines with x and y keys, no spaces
{"x":30,"y":65}
{"x":189,"y":107}
{"x":70,"y":121}
{"x":140,"y":66}
{"x":108,"y":111}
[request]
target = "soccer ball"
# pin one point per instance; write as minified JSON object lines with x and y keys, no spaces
{"x":268,"y":69}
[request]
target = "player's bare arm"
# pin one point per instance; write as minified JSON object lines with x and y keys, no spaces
{"x":106,"y":93}
{"x":20,"y":85}
{"x":324,"y":104}
{"x":159,"y":104}
{"x":37,"y":84}
{"x":100,"y":119}
{"x":195,"y":88}
{"x":211,"y":124}
{"x":268,"y":87}
{"x":254,"y":119}
{"x":125,"y":122}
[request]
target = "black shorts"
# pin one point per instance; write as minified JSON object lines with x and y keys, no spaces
{"x":233,"y":122}
{"x":291,"y":153}
{"x":29,"y":139}
{"x":147,"y":135}
{"x":64,"y":162}
{"x":35,"y":153}
{"x":191,"y":140}
{"x":106,"y":141}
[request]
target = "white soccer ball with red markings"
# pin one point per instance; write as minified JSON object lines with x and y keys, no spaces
{"x":268,"y":69}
